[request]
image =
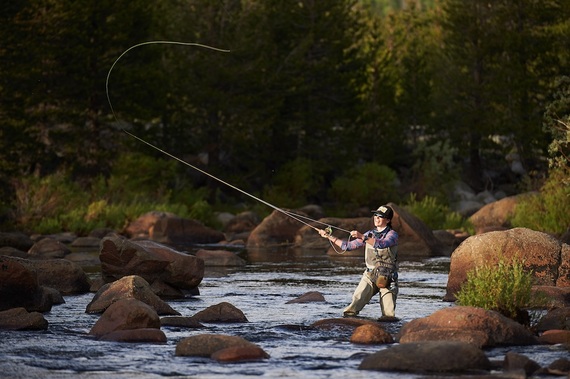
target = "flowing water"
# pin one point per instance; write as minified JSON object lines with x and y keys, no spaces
{"x":261,"y":290}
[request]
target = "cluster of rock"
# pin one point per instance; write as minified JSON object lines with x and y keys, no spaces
{"x":141,"y":268}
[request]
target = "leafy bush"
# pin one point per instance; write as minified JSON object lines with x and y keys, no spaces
{"x":55,"y":203}
{"x":435,"y":215}
{"x":295,"y":182}
{"x":435,"y":171}
{"x":504,"y":287}
{"x":369,"y":185}
{"x":548,"y":210}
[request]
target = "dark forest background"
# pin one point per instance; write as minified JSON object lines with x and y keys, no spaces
{"x":344,"y":103}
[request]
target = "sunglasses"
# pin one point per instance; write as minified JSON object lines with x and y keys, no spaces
{"x":379,"y":215}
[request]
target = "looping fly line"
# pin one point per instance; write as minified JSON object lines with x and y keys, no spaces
{"x":295,"y":216}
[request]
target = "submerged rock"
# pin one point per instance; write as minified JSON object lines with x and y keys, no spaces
{"x":431,"y":357}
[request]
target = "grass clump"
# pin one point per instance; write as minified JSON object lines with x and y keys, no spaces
{"x":548,"y":210}
{"x":435,"y":215}
{"x":504,"y":287}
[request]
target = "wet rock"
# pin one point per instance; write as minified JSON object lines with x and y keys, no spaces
{"x":222,"y":312}
{"x":140,"y":228}
{"x":554,"y":297}
{"x":239,"y":354}
{"x":559,"y":367}
{"x":48,"y":248}
{"x":309,"y":297}
{"x":515,"y":362}
{"x":219,"y":258}
{"x":277,"y":229}
{"x":16,"y":240}
{"x":21,"y":319}
{"x":542,"y":254}
{"x":415,"y":238}
{"x":180,"y":321}
{"x":84,"y":259}
{"x":125,"y":314}
{"x":476,"y":326}
{"x":151,"y":261}
{"x":13,"y":252}
{"x":496,"y":215}
{"x":101,"y":233}
{"x":348,"y":323}
{"x":54,"y":295}
{"x":129,"y":287}
{"x":61,"y":274}
{"x":204,"y":345}
{"x":19,"y":286}
{"x":148,"y":335}
{"x":554,"y":319}
{"x":430,"y":357}
{"x":243,"y":222}
{"x":371,"y":334}
{"x":181,"y":231}
{"x":86,"y":242}
{"x":555,"y":336}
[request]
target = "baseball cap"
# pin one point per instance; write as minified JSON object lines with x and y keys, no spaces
{"x":384,"y":211}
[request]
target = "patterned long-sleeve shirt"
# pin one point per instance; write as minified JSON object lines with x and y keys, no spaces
{"x":382,"y":240}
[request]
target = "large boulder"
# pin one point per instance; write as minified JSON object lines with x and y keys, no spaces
{"x":415,"y":238}
{"x":126,"y":314}
{"x":430,"y":357}
{"x":222,"y":312}
{"x":128,"y":287}
{"x":182,"y":231}
{"x":19,"y":286}
{"x":21,"y":319}
{"x":16,"y":240}
{"x":141,"y":227}
{"x":226,"y":348}
{"x":48,"y":248}
{"x":496,"y":215}
{"x":477,"y":326}
{"x":65,"y":276}
{"x":371,"y":334}
{"x":156,"y":263}
{"x":544,"y":255}
{"x":277,"y":229}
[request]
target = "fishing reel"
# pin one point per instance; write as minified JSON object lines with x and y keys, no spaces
{"x":328,"y":229}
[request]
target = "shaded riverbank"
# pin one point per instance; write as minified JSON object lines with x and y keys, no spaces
{"x":261,"y":289}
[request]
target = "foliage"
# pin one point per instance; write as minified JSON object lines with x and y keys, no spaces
{"x":435,"y":215}
{"x":370,"y":184}
{"x":548,"y":210}
{"x":504,"y":287}
{"x":293,"y":186}
{"x":55,"y":202}
{"x":557,"y":123}
{"x":435,"y":170}
{"x":331,"y":82}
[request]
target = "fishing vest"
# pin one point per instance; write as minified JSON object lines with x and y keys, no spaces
{"x":382,"y":257}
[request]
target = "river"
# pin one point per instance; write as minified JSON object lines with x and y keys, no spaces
{"x":261,"y":290}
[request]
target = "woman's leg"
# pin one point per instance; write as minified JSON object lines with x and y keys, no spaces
{"x":362,"y":295}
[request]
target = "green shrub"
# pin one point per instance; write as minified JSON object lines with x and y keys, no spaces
{"x":40,"y":201}
{"x":435,"y":215}
{"x":136,"y":186}
{"x":504,"y":287}
{"x":370,"y":185}
{"x":293,"y":184}
{"x":548,"y":210}
{"x":435,"y":171}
